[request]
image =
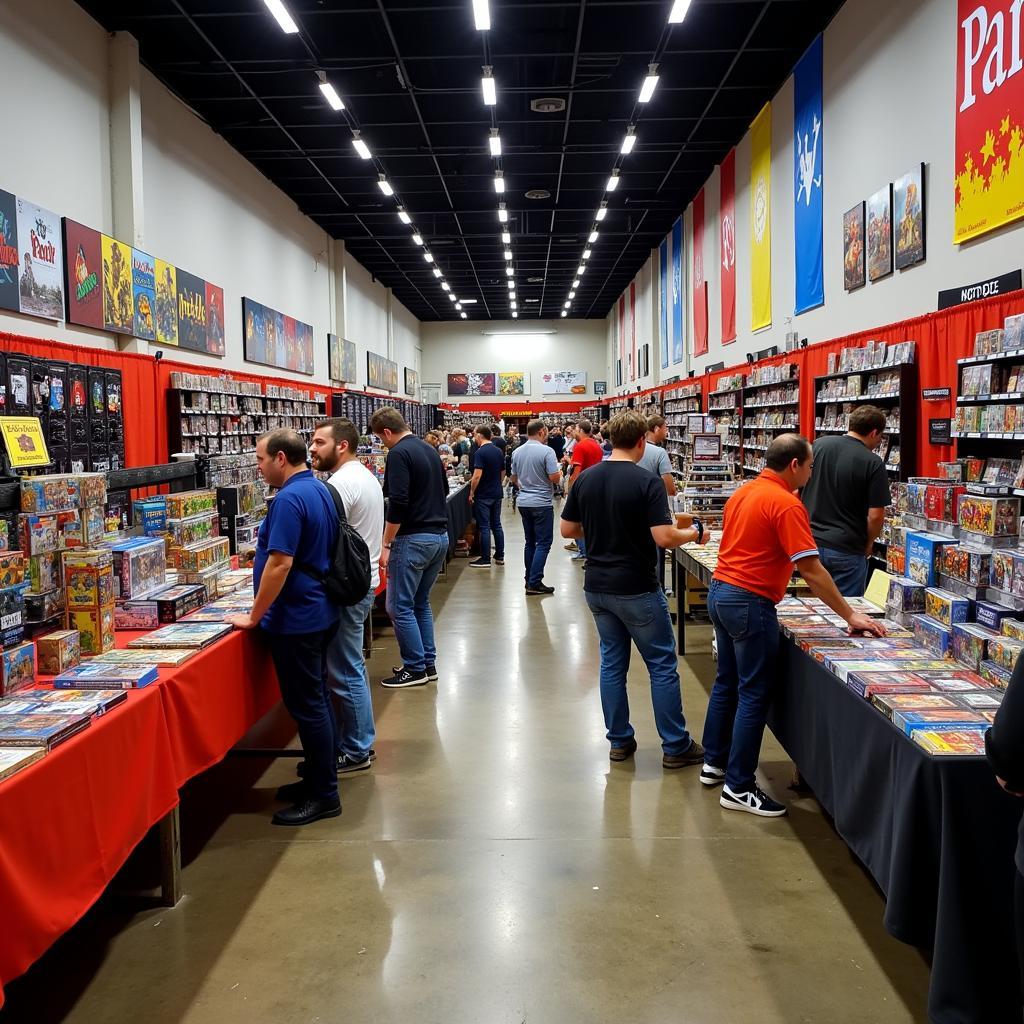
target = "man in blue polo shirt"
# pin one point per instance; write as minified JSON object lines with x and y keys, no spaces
{"x":296,"y":540}
{"x":535,"y":472}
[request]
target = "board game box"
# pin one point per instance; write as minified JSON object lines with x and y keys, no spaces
{"x":980,"y":700}
{"x":13,"y":759}
{"x":1004,"y":651}
{"x":905,"y":595}
{"x":203,"y":555}
{"x":994,"y":674}
{"x":888,"y":703}
{"x":68,"y":702}
{"x":990,"y":517}
{"x":152,"y":656}
{"x":992,"y":615}
{"x":40,"y":730}
{"x":56,"y":652}
{"x":952,"y":718}
{"x":923,"y":556}
{"x":950,"y":741}
{"x":160,"y":608}
{"x":181,"y":634}
{"x":968,"y":565}
{"x":866,"y":684}
{"x":945,"y":606}
{"x":106,"y":675}
{"x":88,"y":579}
{"x":95,"y":626}
{"x":139,"y":567}
{"x":970,"y":643}
{"x":17,"y":668}
{"x":933,"y":635}
{"x":185,"y":504}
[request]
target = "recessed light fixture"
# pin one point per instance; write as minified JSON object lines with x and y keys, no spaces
{"x":508,"y":254}
{"x":512,"y":304}
{"x":613,"y":181}
{"x":428,"y":257}
{"x":499,"y":182}
{"x":506,"y":238}
{"x":403,"y":216}
{"x":576,"y":283}
{"x":602,"y":211}
{"x":463,"y":315}
{"x":568,"y":304}
{"x":452,"y":298}
{"x":445,"y":285}
{"x":481,"y":15}
{"x":650,"y":83}
{"x":488,"y":87}
{"x":629,"y":141}
{"x":509,"y":272}
{"x":330,"y":93}
{"x":283,"y":18}
{"x":385,"y":186}
{"x":587,"y":253}
{"x":565,"y":312}
{"x":580,"y":270}
{"x":361,"y":147}
{"x":678,"y":12}
{"x":495,"y":142}
{"x":502,"y":213}
{"x":512,"y":297}
{"x":515,"y":315}
{"x":572,"y":295}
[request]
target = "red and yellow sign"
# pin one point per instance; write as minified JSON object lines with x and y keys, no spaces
{"x":23,"y":438}
{"x":989,"y":159}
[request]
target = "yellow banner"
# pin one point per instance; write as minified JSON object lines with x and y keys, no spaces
{"x":761,"y":219}
{"x":23,"y":436}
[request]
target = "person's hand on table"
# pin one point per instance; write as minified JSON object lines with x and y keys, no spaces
{"x":241,"y":621}
{"x":860,"y":623}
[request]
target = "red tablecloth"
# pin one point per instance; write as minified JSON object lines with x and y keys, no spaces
{"x":69,"y":822}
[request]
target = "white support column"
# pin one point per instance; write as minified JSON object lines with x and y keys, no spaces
{"x":126,"y":151}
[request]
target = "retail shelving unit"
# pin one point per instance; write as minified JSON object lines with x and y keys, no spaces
{"x":358,"y":407}
{"x":725,"y":406}
{"x":707,"y":486}
{"x":677,"y":404}
{"x":771,"y":406}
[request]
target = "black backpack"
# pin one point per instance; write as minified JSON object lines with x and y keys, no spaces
{"x":347,"y":581}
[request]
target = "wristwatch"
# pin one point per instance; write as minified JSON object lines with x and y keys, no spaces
{"x":699,"y":527}
{"x":388,"y":545}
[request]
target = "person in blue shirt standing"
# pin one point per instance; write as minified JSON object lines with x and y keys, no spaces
{"x":485,"y":495}
{"x":296,"y":540}
{"x":535,"y":471}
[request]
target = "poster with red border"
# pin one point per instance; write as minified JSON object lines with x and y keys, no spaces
{"x":83,"y":263}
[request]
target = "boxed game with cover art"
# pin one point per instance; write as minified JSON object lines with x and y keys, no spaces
{"x":104,"y":675}
{"x":17,"y":668}
{"x":140,"y":564}
{"x":970,"y":643}
{"x":923,"y":556}
{"x":945,"y":606}
{"x":989,"y":517}
{"x":59,"y":651}
{"x":95,"y":626}
{"x":933,"y":635}
{"x":88,"y":578}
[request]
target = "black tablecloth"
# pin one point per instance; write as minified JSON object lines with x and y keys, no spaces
{"x":458,"y":516}
{"x":937,"y":834}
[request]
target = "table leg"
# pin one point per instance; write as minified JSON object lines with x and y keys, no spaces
{"x":170,"y":858}
{"x":680,"y":605}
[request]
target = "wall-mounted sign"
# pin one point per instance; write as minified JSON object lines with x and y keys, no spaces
{"x":600,"y":387}
{"x":273,"y":339}
{"x":982,"y":290}
{"x":935,"y":394}
{"x":23,"y":438}
{"x":939,"y":432}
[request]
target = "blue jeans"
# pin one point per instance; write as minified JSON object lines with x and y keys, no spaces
{"x":539,"y":527}
{"x":747,"y":631}
{"x":416,"y":559}
{"x":643,"y":619}
{"x":350,"y":685}
{"x":488,"y":519}
{"x":850,"y":572}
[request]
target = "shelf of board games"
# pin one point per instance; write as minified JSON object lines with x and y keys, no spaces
{"x":678,"y":403}
{"x":358,"y":407}
{"x":771,"y":406}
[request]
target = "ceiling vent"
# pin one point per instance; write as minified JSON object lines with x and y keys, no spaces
{"x":538,"y":193}
{"x":547,"y":105}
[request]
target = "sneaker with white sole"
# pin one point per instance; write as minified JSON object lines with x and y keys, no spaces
{"x":753,"y":801}
{"x":431,"y":671}
{"x":405,"y":678}
{"x":712,"y":776}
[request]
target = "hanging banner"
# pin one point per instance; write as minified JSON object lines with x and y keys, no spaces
{"x":808,"y":154}
{"x":663,"y":300}
{"x":622,"y":331}
{"x":700,"y":306}
{"x":677,"y":291}
{"x":761,"y":220}
{"x":727,"y":231}
{"x":632,"y":328}
{"x":988,"y":152}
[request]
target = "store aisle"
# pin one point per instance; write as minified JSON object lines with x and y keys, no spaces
{"x":494,"y":868}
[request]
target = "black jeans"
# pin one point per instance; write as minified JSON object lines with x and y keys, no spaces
{"x":301,"y":663}
{"x":1019,"y":908}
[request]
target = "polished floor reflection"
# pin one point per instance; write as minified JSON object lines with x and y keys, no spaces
{"x":494,"y":868}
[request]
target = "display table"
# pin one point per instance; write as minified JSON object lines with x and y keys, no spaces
{"x":458,"y":510}
{"x":69,"y":822}
{"x":937,"y":834}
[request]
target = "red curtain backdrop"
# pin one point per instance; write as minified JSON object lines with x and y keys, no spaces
{"x":700,"y":303}
{"x":727,"y":245}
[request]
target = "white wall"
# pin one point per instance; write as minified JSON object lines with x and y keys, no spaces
{"x":205,"y":208}
{"x":889,"y":84}
{"x":461,"y":347}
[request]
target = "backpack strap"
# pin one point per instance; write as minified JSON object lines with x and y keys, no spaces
{"x":339,"y":507}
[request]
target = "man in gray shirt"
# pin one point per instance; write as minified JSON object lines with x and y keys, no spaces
{"x":535,"y":472}
{"x":655,"y":458}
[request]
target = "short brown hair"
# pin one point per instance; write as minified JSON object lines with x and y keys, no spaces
{"x":484,"y":432}
{"x":586,"y":426}
{"x":653,"y":422}
{"x":626,"y":428}
{"x":341,"y":430}
{"x":784,"y":449}
{"x":286,"y":440}
{"x":866,"y":418}
{"x":534,"y":427}
{"x":388,"y":418}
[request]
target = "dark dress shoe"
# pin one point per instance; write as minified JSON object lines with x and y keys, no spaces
{"x":293,"y":793}
{"x":308,"y":811}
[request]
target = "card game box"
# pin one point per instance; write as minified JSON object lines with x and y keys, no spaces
{"x":1007,"y":567}
{"x":95,"y":626}
{"x":1004,"y":651}
{"x":89,"y":579}
{"x":150,"y":514}
{"x":968,"y":565}
{"x":867,"y":684}
{"x":989,"y":517}
{"x":950,"y":741}
{"x":103,"y":675}
{"x":844,"y":669}
{"x":167,"y":605}
{"x":139,"y":567}
{"x":970,"y":643}
{"x":38,"y":533}
{"x":995,"y":674}
{"x":934,"y":636}
{"x":181,"y":634}
{"x":1012,"y":628}
{"x":941,"y":501}
{"x":204,"y":554}
{"x":12,"y":568}
{"x":905,"y":595}
{"x":182,"y":532}
{"x":59,"y":651}
{"x":923,"y":556}
{"x":888,"y":703}
{"x":208,"y":578}
{"x":951,"y":718}
{"x":945,"y":606}
{"x":190,"y":503}
{"x":992,"y":615}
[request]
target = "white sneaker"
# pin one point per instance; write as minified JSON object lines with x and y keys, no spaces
{"x":753,"y":801}
{"x":712,"y":776}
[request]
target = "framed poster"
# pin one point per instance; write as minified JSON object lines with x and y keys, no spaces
{"x":880,"y":234}
{"x":564,"y":382}
{"x":9,"y":251}
{"x":472,"y":384}
{"x":695,"y":423}
{"x":191,"y":312}
{"x":118,"y":303}
{"x":411,"y":381}
{"x":143,"y":295}
{"x":908,"y":208}
{"x":41,"y":249}
{"x":166,"y":303}
{"x":82,"y":263}
{"x":514,"y":383}
{"x":381,"y":373}
{"x":273,"y":339}
{"x":214,"y":319}
{"x":707,"y":447}
{"x":854,"y":253}
{"x":334,"y":359}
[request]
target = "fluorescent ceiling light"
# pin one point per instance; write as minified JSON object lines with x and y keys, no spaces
{"x":511,"y":286}
{"x":361,"y":147}
{"x":576,"y":283}
{"x":331,"y":94}
{"x":403,"y":216}
{"x":586,"y":253}
{"x":512,"y":304}
{"x":444,"y":284}
{"x":463,"y":315}
{"x":629,"y":141}
{"x":458,"y":306}
{"x":284,"y":19}
{"x":417,"y":238}
{"x":385,"y":186}
{"x":565,"y":312}
{"x":512,"y":297}
{"x":428,"y":257}
{"x":487,"y":84}
{"x":650,"y":83}
{"x":593,"y":237}
{"x":514,"y":314}
{"x":602,"y":211}
{"x":580,"y":270}
{"x":502,"y":213}
{"x":482,"y":15}
{"x":495,"y":142}
{"x":568,"y":304}
{"x":678,"y":12}
{"x":506,"y":238}
{"x":508,"y":254}
{"x":499,"y":182}
{"x":572,"y":295}
{"x":515,"y":334}
{"x":509,"y":272}
{"x":452,"y":297}
{"x":613,"y":181}
{"x":437,"y":272}
{"x":467,"y":302}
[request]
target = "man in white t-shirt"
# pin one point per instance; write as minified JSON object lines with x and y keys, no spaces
{"x":334,"y":450}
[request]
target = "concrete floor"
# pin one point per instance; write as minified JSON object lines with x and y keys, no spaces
{"x":494,"y":868}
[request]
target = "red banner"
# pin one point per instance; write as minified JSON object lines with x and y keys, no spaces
{"x":727,"y":245}
{"x":624,"y":370}
{"x":634,"y":368}
{"x":989,"y":149}
{"x":700,"y":304}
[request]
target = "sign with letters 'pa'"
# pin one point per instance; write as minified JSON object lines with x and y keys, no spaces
{"x":989,"y":156}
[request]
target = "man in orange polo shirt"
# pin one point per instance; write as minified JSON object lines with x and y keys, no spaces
{"x":765,"y":533}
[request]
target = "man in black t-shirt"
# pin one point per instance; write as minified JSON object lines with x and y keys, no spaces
{"x":846,"y":498}
{"x":623,"y":511}
{"x":485,"y":495}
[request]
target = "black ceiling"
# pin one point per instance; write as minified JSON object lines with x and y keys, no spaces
{"x":409,"y":74}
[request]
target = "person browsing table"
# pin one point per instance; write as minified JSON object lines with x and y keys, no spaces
{"x":485,"y":495}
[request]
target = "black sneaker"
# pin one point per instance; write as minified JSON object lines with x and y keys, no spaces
{"x":300,"y":768}
{"x":712,"y":776}
{"x":346,"y":767}
{"x":431,"y":671}
{"x":539,"y":589}
{"x":307,"y":811}
{"x":405,"y":678}
{"x":753,"y":801}
{"x":479,"y":563}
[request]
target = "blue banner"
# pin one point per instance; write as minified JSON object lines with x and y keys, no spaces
{"x":677,"y":291}
{"x":663,"y":264}
{"x":808,"y":155}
